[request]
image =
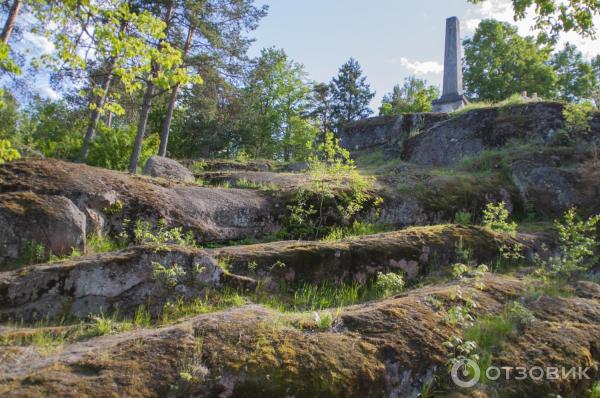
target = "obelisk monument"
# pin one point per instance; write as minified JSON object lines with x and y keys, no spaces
{"x":453,"y":95}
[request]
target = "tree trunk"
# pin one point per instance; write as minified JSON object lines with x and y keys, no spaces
{"x":166,"y":125}
{"x":95,"y":116}
{"x":9,"y":25}
{"x":141,"y":130}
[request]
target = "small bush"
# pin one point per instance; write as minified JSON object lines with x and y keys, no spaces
{"x":167,"y":277}
{"x":495,"y":217}
{"x":578,"y":242}
{"x":143,"y":233}
{"x":518,"y":314}
{"x":390,"y":283}
{"x":462,"y":218}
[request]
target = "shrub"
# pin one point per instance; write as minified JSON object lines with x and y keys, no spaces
{"x":578,"y":241}
{"x":495,"y":217}
{"x":143,"y":233}
{"x":337,"y":191}
{"x":389,"y":284}
{"x":462,"y":218}
{"x":167,"y":277}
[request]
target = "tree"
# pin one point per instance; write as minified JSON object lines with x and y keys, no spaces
{"x":576,"y":80}
{"x":414,"y":96}
{"x":321,"y":107}
{"x":499,"y":63}
{"x":98,"y":43}
{"x":351,"y":94}
{"x":555,"y":16}
{"x":275,"y":94}
{"x":215,"y":39}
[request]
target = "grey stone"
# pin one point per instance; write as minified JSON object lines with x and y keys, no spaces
{"x":473,"y":132}
{"x":51,"y":221}
{"x":158,"y":166}
{"x":107,"y":282}
{"x":551,"y":189}
{"x":386,"y":130}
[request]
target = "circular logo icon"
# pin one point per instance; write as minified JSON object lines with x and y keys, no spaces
{"x":465,"y":373}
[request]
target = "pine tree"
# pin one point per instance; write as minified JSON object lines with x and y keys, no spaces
{"x":351,"y":94}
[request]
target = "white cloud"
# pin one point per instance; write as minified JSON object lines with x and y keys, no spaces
{"x":421,"y":67}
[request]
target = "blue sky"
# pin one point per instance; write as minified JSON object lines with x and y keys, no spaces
{"x":391,"y":39}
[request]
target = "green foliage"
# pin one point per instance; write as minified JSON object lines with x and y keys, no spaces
{"x":414,"y":96}
{"x":495,"y":217}
{"x":577,"y":118}
{"x":7,"y":152}
{"x":358,"y":228}
{"x":112,"y":148}
{"x":578,"y":241}
{"x":576,"y":80}
{"x":325,"y":320}
{"x":337,"y":191}
{"x":553,"y":16}
{"x":500,"y":63}
{"x":213,"y":300}
{"x":389,"y":284}
{"x":142,"y":317}
{"x":143,"y":233}
{"x":595,"y":390}
{"x":32,"y":252}
{"x":275,"y":96}
{"x":105,"y":325}
{"x":462,"y":218}
{"x":247,"y":184}
{"x":96,"y":243}
{"x":56,"y":128}
{"x":518,"y":314}
{"x":350,"y":94}
{"x":168,"y":277}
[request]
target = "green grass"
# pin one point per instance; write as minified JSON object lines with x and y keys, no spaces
{"x":245,"y":183}
{"x":595,"y":390}
{"x":212,"y":301}
{"x":358,"y":228}
{"x":472,"y":106}
{"x":101,"y":244}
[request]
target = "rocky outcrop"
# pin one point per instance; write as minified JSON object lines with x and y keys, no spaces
{"x":382,"y":130}
{"x":33,"y":225}
{"x":414,"y":252}
{"x":109,"y":198}
{"x":125,"y":280}
{"x":553,"y":188}
{"x":471,"y":133}
{"x":158,"y":166}
{"x":387,"y":348}
{"x":121,"y":281}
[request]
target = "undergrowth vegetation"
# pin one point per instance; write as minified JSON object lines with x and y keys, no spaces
{"x":338,"y":192}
